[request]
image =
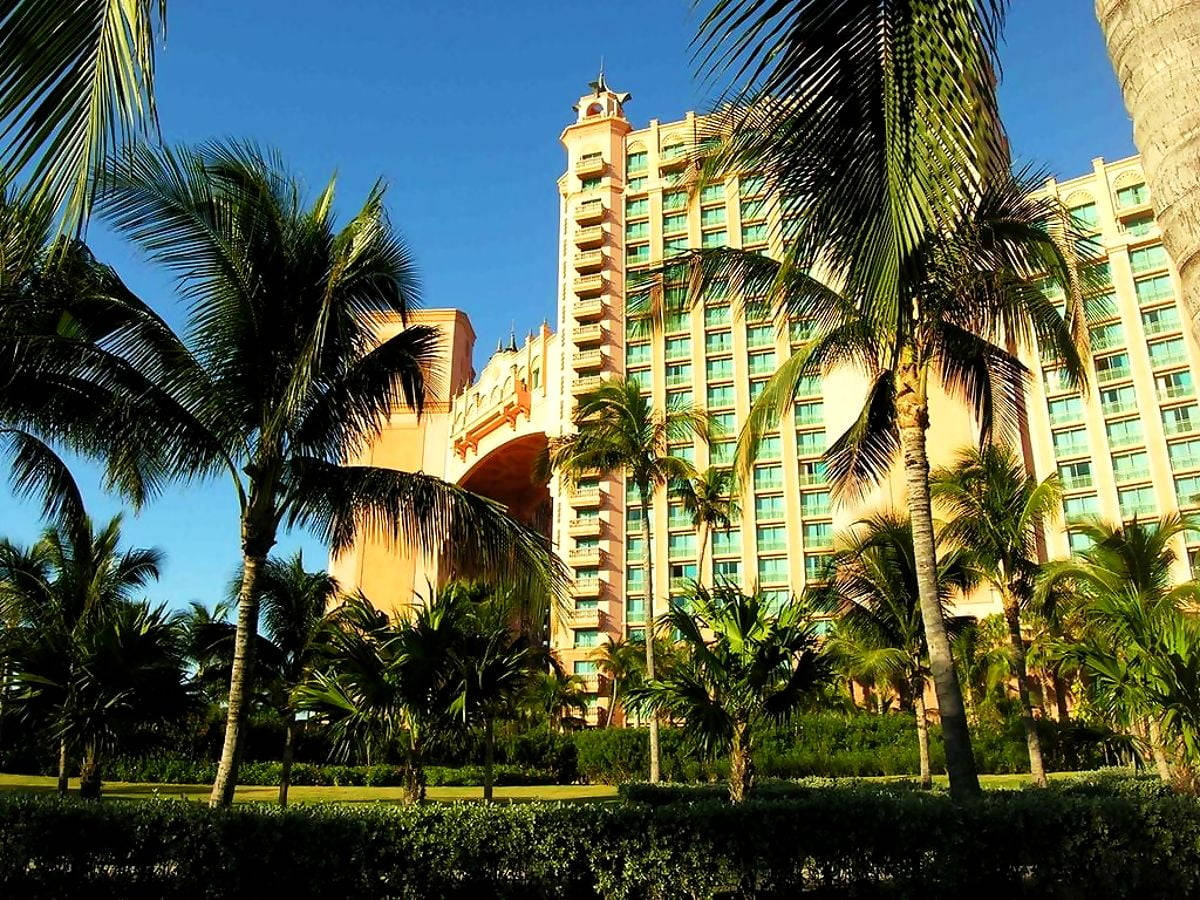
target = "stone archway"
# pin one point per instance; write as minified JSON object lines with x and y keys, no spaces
{"x":506,"y":475}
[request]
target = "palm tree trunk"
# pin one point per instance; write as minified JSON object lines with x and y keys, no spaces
{"x":913,"y":420}
{"x":63,"y":777}
{"x":1152,"y":46}
{"x":1012,"y":617}
{"x":489,"y":758}
{"x":240,"y":679}
{"x":612,"y":703}
{"x":1060,"y":696}
{"x":1161,"y":764}
{"x":414,"y":775}
{"x":89,"y":774}
{"x":649,"y":626}
{"x":741,"y":763}
{"x":702,"y":538}
{"x":285,"y":768}
{"x":918,"y":691}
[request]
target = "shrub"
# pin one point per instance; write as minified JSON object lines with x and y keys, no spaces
{"x":828,"y":840}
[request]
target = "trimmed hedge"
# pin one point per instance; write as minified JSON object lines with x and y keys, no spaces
{"x":827,"y":841}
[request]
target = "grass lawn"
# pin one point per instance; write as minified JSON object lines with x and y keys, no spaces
{"x":577,"y":793}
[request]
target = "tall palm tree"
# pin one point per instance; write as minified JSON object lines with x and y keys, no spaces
{"x":76,"y":88}
{"x":1141,"y":633}
{"x":763,"y":662}
{"x":878,"y":121}
{"x":620,"y":661}
{"x":1000,"y":511}
{"x":879,"y":634}
{"x":1152,"y":44}
{"x":282,"y":378}
{"x":297,"y":609}
{"x":618,"y":431}
{"x":708,"y":498}
{"x":61,"y":593}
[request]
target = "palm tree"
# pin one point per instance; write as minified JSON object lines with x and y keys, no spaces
{"x":981,"y":653}
{"x":999,"y":511}
{"x":66,"y":595}
{"x":553,"y":695}
{"x":879,"y":635}
{"x":761,"y":664}
{"x":1152,"y":46}
{"x":621,"y":662}
{"x":708,"y":498}
{"x":297,"y":609}
{"x":1141,"y":633}
{"x":618,"y":431}
{"x":283,"y":379}
{"x":77,"y":87}
{"x":878,"y":121}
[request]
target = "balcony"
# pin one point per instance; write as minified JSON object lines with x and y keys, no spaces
{"x":584,"y":618}
{"x":590,"y":166}
{"x":589,"y":285}
{"x":586,"y":384}
{"x":590,"y":212}
{"x":589,"y":527}
{"x":673,"y":158}
{"x":1064,"y":450}
{"x":1112,"y":373}
{"x":589,"y":261}
{"x":587,"y":556}
{"x":1077,"y":483}
{"x":1126,"y":475}
{"x":588,"y":335}
{"x":589,"y":237}
{"x":1179,"y":426}
{"x":589,"y":310}
{"x":1140,"y":510}
{"x":588,"y":361}
{"x":585,"y":588}
{"x":585,"y":497}
{"x":1163,"y":360}
{"x":1180,"y":462}
{"x":594,"y":683}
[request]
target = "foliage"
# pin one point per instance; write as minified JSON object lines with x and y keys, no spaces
{"x":1122,"y":842}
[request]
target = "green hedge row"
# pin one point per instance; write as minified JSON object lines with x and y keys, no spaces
{"x":162,"y":769}
{"x":848,"y":842}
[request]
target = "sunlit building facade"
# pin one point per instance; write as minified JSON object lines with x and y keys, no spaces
{"x":1128,"y":446}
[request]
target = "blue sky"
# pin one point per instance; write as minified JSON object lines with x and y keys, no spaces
{"x":458,"y":106}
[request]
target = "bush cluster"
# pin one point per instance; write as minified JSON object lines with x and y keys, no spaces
{"x":1087,"y":841}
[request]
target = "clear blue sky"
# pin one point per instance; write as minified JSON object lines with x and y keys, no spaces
{"x":458,"y":105}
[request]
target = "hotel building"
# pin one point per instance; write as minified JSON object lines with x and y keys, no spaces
{"x":1130,"y":445}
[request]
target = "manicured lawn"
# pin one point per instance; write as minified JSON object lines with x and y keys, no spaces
{"x":586,"y":793}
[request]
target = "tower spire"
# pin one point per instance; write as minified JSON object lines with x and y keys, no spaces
{"x":599,"y":85}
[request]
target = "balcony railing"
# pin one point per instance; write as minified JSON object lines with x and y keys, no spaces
{"x":589,"y":310}
{"x":587,"y":335}
{"x":1072,"y":449}
{"x":585,"y":384}
{"x":584,"y":618}
{"x":1126,"y":475}
{"x":1112,"y":373}
{"x":588,"y":527}
{"x":587,"y":360}
{"x":1161,"y":360}
{"x":1178,"y":426}
{"x":586,"y":587}
{"x":585,"y":496}
{"x":1116,"y":409}
{"x":1077,"y":483}
{"x":589,"y":261}
{"x":589,"y":212}
{"x":592,"y":236}
{"x":590,"y":166}
{"x":589,"y":285}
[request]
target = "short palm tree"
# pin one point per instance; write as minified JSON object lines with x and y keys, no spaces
{"x":622,"y":663}
{"x":762,"y":663}
{"x":879,"y":635}
{"x":283,"y":379}
{"x":298,"y":607}
{"x":981,"y":651}
{"x":65,"y":596}
{"x":878,"y":120}
{"x":708,"y":497}
{"x":556,"y":697}
{"x":1000,"y":511}
{"x":1140,"y":631}
{"x":78,"y":87}
{"x":618,"y":432}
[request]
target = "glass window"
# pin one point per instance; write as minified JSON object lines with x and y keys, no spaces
{"x":636,"y":161}
{"x":816,"y":566}
{"x":675,"y":200}
{"x":1078,"y":541}
{"x":1181,"y":419}
{"x":1057,"y":380}
{"x":771,"y":447}
{"x":635,"y":547}
{"x":587,"y":184}
{"x":1144,"y":259}
{"x":753,"y":209}
{"x":678,"y":348}
{"x":637,"y":182}
{"x":1101,"y":306}
{"x":812,"y":472}
{"x":756,"y":389}
{"x":1070,"y":442}
{"x":679,"y":399}
{"x":1187,"y":490}
{"x":1075,"y":475}
{"x":772,"y":538}
{"x":724,"y":423}
{"x":768,"y":507}
{"x":1078,"y":508}
{"x":719,"y":369}
{"x":1136,"y":501}
{"x":1139,"y":226}
{"x":1124,"y":433}
{"x":638,"y":207}
{"x":1118,"y":400}
{"x":720,"y":453}
{"x":1135,"y":195}
{"x":727,"y":543}
{"x":674,"y":223}
{"x":1167,"y":353}
{"x":1184,"y":454}
{"x":1085,"y":216}
{"x":637,"y":253}
{"x":1156,"y":321}
{"x":714,"y":239}
{"x":1105,"y":337}
{"x":720,"y":395}
{"x":716,"y":315}
{"x":586,"y":667}
{"x":681,"y":545}
{"x":713,"y":216}
{"x":1157,"y":287}
{"x":760,"y":336}
{"x":718,"y":342}
{"x":818,"y":534}
{"x":810,"y":443}
{"x":773,"y":570}
{"x":808,"y":386}
{"x":762,"y":363}
{"x":679,"y":374}
{"x":754,"y":234}
{"x":727,"y":569}
{"x":587,"y":637}
{"x":681,"y":574}
{"x":814,"y":503}
{"x":711,"y":193}
{"x":751,"y":185}
{"x":676,"y":322}
{"x":1131,"y":466}
{"x":635,"y":230}
{"x":636,"y":354}
{"x":768,"y":477}
{"x":1111,"y":368}
{"x":1065,"y":409}
{"x":810,"y":412}
{"x":672,"y":151}
{"x":801,"y":330}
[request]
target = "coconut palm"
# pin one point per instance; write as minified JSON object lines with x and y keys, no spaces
{"x":708,"y":498}
{"x":283,"y":379}
{"x":618,"y":432}
{"x":981,"y":650}
{"x":879,"y":636}
{"x":298,"y":607}
{"x":557,"y":697}
{"x":1141,"y":633}
{"x":763,"y":662}
{"x":76,"y":87}
{"x":69,"y":597}
{"x":1152,"y":46}
{"x":1000,"y":511}
{"x":622,"y":663}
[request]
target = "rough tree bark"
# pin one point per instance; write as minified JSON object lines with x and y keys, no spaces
{"x":1012,"y":618}
{"x":919,"y":712}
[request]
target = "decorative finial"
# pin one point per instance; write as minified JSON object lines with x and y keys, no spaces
{"x":512,"y":337}
{"x":599,"y":85}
